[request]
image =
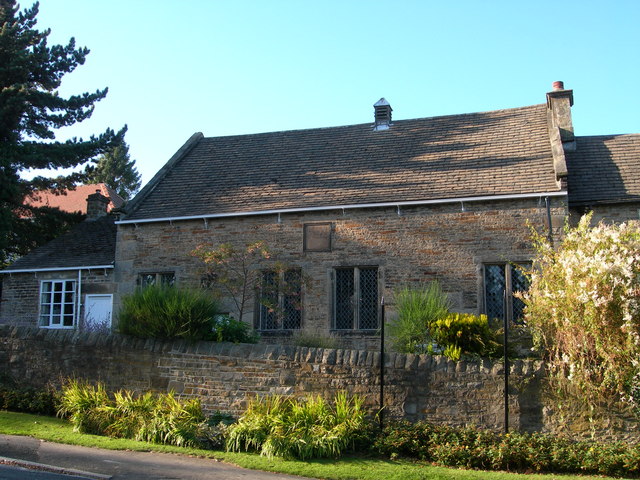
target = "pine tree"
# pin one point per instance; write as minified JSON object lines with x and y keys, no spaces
{"x":31,"y":110}
{"x":116,"y":169}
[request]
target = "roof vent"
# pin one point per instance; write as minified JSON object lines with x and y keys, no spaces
{"x":382,"y":115}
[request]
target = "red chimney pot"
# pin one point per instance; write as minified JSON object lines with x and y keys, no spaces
{"x":558,"y":85}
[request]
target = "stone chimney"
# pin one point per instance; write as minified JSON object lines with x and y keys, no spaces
{"x":559,"y":103}
{"x":382,"y":115}
{"x":560,"y":125}
{"x":97,"y":205}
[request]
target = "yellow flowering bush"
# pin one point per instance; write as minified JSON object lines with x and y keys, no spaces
{"x":584,"y":309}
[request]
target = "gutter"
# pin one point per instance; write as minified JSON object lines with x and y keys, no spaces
{"x":349,"y":207}
{"x":59,"y":269}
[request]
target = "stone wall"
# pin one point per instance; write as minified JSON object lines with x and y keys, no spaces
{"x":409,"y":245}
{"x":225,"y":376}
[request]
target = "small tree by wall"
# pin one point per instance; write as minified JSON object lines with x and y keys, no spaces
{"x":233,"y":272}
{"x":584,"y":309}
{"x":239,"y":274}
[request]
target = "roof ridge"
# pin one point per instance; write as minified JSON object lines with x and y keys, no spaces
{"x":369,"y":124}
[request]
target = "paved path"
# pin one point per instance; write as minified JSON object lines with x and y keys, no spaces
{"x":99,"y":464}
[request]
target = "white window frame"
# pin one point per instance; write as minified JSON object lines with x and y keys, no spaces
{"x":47,"y":303}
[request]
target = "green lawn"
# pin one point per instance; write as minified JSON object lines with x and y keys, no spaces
{"x":347,"y":468}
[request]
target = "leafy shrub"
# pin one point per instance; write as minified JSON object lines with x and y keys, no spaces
{"x":17,"y":398}
{"x":228,"y":329}
{"x":156,"y":418}
{"x":311,"y":428}
{"x":584,"y":309}
{"x":464,"y":333}
{"x":467,"y":447}
{"x":424,"y":325}
{"x":169,"y":312}
{"x":417,"y":310}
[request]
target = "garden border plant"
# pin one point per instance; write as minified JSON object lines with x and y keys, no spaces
{"x":468,"y":447}
{"x":314,"y":428}
{"x":150,"y":417}
{"x":170,"y":312}
{"x":424,"y":324}
{"x":303,"y":429}
{"x":584,"y":309}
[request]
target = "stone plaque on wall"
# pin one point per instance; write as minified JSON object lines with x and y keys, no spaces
{"x":317,"y":237}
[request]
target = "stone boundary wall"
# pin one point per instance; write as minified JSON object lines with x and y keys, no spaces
{"x":225,"y":376}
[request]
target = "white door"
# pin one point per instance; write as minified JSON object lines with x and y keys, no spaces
{"x":97,"y":311}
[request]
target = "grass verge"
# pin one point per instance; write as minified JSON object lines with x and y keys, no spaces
{"x":347,"y":468}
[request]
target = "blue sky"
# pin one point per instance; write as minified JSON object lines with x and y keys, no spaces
{"x":227,"y":67}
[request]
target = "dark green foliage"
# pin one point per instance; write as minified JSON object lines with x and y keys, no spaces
{"x":169,"y":312}
{"x":311,"y":428}
{"x":228,"y":329}
{"x":155,"y":418}
{"x":31,"y":110}
{"x":17,"y":398}
{"x":467,"y":447}
{"x":40,"y":226}
{"x":116,"y":169}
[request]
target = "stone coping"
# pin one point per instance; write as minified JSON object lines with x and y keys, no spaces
{"x":268,"y":352}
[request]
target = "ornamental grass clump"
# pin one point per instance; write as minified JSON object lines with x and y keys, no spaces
{"x":279,"y":426}
{"x":150,"y":417}
{"x":417,"y":309}
{"x":169,"y":312}
{"x":584,"y":309}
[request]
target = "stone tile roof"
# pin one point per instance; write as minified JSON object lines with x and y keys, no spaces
{"x":491,"y":153}
{"x":604,"y":169}
{"x":75,"y":200}
{"x":90,"y":243}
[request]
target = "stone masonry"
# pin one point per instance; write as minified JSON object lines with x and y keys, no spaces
{"x":225,"y":376}
{"x":409,"y":245}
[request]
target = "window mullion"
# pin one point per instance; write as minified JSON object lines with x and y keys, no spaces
{"x":508,"y":294}
{"x":356,"y":298}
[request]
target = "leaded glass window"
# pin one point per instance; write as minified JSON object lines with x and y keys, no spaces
{"x":165,"y":279}
{"x":501,"y":281}
{"x":355,"y":298}
{"x":280,"y":300}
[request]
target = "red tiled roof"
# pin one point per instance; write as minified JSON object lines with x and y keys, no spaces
{"x":75,"y":200}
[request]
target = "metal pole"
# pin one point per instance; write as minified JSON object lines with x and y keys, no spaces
{"x":506,"y":366}
{"x":382,"y":365}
